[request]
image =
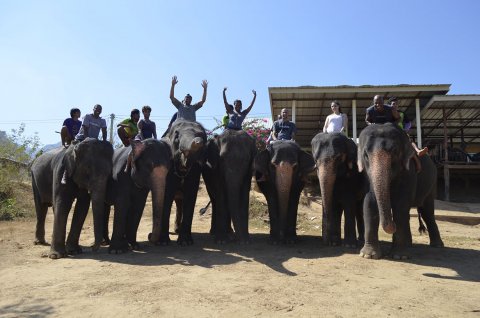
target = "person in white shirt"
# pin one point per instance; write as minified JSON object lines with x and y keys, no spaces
{"x":336,"y":121}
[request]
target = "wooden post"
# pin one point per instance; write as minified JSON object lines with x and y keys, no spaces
{"x":446,"y":172}
{"x":294,"y":111}
{"x":112,"y":117}
{"x":354,"y":120}
{"x":419,"y":123}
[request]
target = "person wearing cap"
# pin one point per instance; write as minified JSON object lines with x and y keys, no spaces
{"x":336,"y":121}
{"x":235,"y":113}
{"x":186,"y":110}
{"x":127,"y":128}
{"x":71,"y":127}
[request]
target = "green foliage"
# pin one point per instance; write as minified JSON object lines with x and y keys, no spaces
{"x":16,"y":152}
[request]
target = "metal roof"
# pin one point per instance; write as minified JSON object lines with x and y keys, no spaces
{"x":312,"y":103}
{"x":462,"y":114}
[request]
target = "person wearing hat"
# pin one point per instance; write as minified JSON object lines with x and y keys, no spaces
{"x":186,"y":110}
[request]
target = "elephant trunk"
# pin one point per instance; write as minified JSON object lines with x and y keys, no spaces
{"x":98,"y":199}
{"x":380,"y":165}
{"x":283,"y":182}
{"x":326,"y":177}
{"x":157,"y":182}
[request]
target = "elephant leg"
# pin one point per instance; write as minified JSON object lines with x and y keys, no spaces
{"x":179,"y":211}
{"x":79,"y":215}
{"x":189,"y":198}
{"x":134,"y":217}
{"x":335,"y":231}
{"x":41,"y":212}
{"x":61,"y":208}
{"x":222,"y":219}
{"x":402,"y":238}
{"x":427,"y":211}
{"x":359,"y":221}
{"x":119,"y":243}
{"x":106,"y":235}
{"x":371,"y":248}
{"x":291,"y":229}
{"x":170,"y":191}
{"x":244,"y":206}
{"x":349,"y":230}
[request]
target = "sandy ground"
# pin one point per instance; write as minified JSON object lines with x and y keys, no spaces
{"x":209,"y":280}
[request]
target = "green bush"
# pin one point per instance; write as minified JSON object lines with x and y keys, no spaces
{"x":9,"y":210}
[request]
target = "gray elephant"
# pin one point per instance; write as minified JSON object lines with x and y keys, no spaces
{"x":228,"y":175}
{"x":385,"y":153}
{"x":129,"y":188}
{"x":188,"y":140}
{"x":280,"y":171}
{"x":342,"y":187}
{"x":88,"y":165}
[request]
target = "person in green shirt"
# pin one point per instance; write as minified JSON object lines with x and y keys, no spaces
{"x":127,"y":129}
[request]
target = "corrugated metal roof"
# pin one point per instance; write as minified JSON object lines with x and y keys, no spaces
{"x":312,"y":103}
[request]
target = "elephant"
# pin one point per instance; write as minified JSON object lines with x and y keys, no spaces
{"x":188,"y":141}
{"x":129,"y":188}
{"x":280,"y":172}
{"x":342,"y":187}
{"x":227,"y":176}
{"x":88,"y":165}
{"x":385,"y":153}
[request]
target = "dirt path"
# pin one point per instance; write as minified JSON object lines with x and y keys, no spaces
{"x":209,"y":280}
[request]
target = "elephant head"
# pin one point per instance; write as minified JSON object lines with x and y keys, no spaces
{"x":335,"y":156}
{"x":384,"y":151}
{"x":283,"y":167}
{"x":89,"y":165}
{"x":188,"y":140}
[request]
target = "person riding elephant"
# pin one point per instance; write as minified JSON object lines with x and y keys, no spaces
{"x":384,"y":152}
{"x":227,"y":176}
{"x":188,"y":141}
{"x":89,"y":166}
{"x":151,"y":162}
{"x":280,"y":171}
{"x":342,"y":187}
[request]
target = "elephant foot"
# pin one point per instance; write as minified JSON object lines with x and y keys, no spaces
{"x":96,"y":246}
{"x":334,"y":240}
{"x":400,"y":254}
{"x":105,"y":242}
{"x":185,"y":239}
{"x":222,"y":239}
{"x":134,"y":246}
{"x":41,"y":242}
{"x":118,"y":246}
{"x":437,"y":243}
{"x":371,"y":251}
{"x":291,"y":239}
{"x":57,"y":253}
{"x":350,"y":243}
{"x":73,"y":249}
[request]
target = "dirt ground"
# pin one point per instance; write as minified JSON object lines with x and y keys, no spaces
{"x":209,"y":280}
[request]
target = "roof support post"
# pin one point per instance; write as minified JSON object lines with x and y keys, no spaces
{"x":294,"y":110}
{"x":354,"y":120}
{"x":419,"y":124}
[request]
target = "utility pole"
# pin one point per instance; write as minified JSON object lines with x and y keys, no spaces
{"x":112,"y":117}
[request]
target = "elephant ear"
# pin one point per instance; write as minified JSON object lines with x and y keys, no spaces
{"x":213,"y":153}
{"x":137,"y":149}
{"x":306,"y":163}
{"x":409,"y":153}
{"x":351,"y":153}
{"x":260,"y":165}
{"x":69,"y":159}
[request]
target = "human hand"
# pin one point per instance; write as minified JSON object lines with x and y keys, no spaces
{"x":224,"y":89}
{"x":204,"y":84}
{"x":174,"y":80}
{"x":254,"y":92}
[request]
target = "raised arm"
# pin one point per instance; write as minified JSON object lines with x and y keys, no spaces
{"x":228,"y":108}
{"x":246,"y":111}
{"x":204,"y":96}
{"x":175,"y":101}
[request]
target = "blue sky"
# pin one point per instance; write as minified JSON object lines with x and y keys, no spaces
{"x":55,"y":55}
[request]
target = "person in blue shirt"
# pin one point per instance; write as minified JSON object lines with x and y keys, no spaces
{"x":283,"y":129}
{"x":71,"y":127}
{"x":235,"y":114}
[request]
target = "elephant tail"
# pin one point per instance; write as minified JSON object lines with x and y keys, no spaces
{"x":421,"y":226}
